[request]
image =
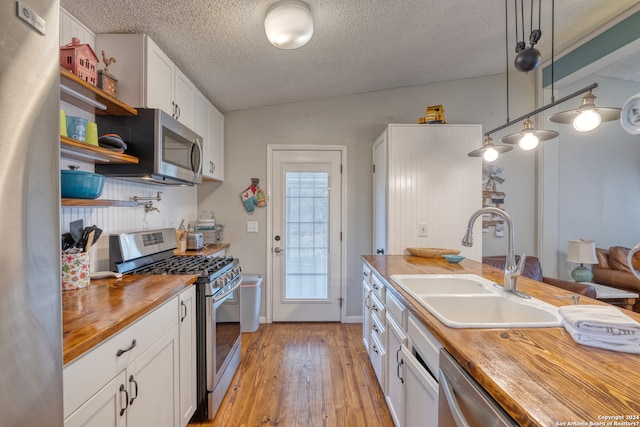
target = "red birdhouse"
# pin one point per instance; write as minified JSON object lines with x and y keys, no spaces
{"x":80,"y":60}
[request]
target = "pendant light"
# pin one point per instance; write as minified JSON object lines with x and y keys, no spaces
{"x":587,"y":116}
{"x":289,"y":24}
{"x":529,"y":137}
{"x":489,"y":151}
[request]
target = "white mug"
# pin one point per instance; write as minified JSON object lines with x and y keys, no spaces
{"x":632,"y":252}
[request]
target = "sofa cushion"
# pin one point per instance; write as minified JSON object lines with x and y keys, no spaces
{"x":618,"y":258}
{"x":603,"y":258}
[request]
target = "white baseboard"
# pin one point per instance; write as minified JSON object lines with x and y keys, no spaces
{"x":352,"y":319}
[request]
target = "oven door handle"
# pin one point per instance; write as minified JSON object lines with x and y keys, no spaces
{"x":217,"y":298}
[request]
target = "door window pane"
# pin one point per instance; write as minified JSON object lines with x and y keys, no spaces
{"x":307,"y":231}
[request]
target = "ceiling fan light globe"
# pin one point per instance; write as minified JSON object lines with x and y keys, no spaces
{"x":490,"y":154}
{"x":587,"y":121}
{"x":528,"y":142}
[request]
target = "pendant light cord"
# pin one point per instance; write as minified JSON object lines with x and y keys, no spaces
{"x":506,"y":47}
{"x":553,"y":38}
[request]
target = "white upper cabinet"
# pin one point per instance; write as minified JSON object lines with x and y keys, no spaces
{"x":147,"y":78}
{"x":209,"y":124}
{"x":214,"y":147}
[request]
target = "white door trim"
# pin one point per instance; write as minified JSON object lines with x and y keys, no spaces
{"x":268,"y":290}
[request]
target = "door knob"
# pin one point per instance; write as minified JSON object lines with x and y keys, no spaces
{"x":278,"y":249}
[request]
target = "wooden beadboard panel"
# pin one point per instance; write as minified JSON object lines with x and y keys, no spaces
{"x":433,"y":181}
{"x":176,"y":203}
{"x":70,"y":27}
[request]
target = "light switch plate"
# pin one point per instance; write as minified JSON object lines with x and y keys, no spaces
{"x":252,"y":226}
{"x":423,"y":230}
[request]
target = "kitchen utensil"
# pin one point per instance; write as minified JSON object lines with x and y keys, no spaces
{"x":67,"y":241}
{"x":75,"y":228}
{"x":89,"y":241}
{"x":77,"y":184}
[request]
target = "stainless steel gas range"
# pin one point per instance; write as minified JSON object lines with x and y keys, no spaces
{"x":217,"y":304}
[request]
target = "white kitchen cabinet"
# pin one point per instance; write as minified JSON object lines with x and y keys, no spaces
{"x":426,"y":187}
{"x":214,"y":147}
{"x":366,"y":307}
{"x":141,"y":376}
{"x":103,"y":408}
{"x":147,"y":78}
{"x":209,"y":123}
{"x":394,"y":389}
{"x":153,"y":383}
{"x":421,"y":393}
{"x":188,"y":364}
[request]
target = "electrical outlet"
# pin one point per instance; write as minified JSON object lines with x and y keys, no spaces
{"x":423,"y":230}
{"x":252,"y":226}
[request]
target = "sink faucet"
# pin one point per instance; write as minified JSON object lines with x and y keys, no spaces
{"x":511,"y":270}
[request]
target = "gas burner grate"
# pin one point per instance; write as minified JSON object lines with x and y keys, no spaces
{"x":197,"y":264}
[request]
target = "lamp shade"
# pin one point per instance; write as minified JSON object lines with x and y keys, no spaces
{"x":582,"y":252}
{"x":289,"y":24}
{"x":489,"y":151}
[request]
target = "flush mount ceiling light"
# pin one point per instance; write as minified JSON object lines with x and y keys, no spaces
{"x":289,"y":24}
{"x":529,"y":137}
{"x":587,"y":116}
{"x":489,"y":151}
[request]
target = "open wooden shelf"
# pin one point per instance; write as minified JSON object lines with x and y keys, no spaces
{"x":98,"y":203}
{"x":112,"y":106}
{"x":78,"y":150}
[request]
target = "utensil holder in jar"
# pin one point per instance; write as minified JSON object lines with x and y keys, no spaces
{"x":75,"y":271}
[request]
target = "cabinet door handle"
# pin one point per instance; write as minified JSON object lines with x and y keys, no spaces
{"x":380,"y":251}
{"x":375,"y":328}
{"x":120,"y":352}
{"x":375,"y":349}
{"x":366,"y":302}
{"x":135,"y":383}
{"x":173,"y":113}
{"x":374,"y":307}
{"x":213,"y":167}
{"x":400,"y":362}
{"x":185,"y":311}
{"x":177,"y":111}
{"x":123,"y":389}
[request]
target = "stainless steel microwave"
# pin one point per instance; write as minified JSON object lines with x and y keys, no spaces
{"x":169,"y":153}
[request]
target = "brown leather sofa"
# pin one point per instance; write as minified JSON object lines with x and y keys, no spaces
{"x":533,"y":270}
{"x":612,"y":270}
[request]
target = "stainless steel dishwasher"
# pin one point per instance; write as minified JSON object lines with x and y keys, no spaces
{"x":462,"y":402}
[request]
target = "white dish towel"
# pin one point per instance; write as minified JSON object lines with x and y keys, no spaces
{"x":601,"y":326}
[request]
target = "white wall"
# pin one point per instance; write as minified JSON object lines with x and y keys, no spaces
{"x":355,"y":121}
{"x":177,"y":202}
{"x":598,"y":177}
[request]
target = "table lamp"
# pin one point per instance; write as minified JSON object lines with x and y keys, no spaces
{"x":582,"y":252}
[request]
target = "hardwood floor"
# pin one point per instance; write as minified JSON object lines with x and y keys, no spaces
{"x":303,"y":374}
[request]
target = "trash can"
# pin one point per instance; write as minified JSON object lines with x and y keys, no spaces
{"x":250,"y":290}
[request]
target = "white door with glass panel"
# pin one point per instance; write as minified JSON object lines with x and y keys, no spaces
{"x":306,"y":247}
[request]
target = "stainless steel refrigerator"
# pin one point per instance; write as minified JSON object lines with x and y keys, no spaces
{"x":30,"y":291}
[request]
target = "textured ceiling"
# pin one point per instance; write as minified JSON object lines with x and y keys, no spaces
{"x":358,"y":45}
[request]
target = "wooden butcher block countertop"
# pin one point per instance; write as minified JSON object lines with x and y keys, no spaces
{"x":540,"y":376}
{"x":106,"y":306}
